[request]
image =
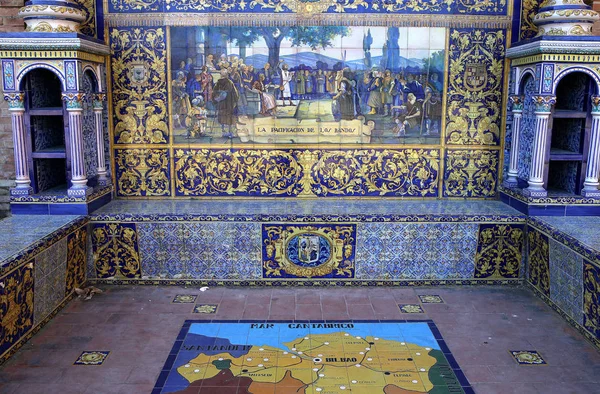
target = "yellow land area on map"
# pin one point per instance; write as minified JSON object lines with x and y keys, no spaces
{"x":325,"y":364}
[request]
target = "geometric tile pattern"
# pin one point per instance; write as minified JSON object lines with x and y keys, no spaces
{"x":499,"y":251}
{"x":539,"y":272}
{"x":527,"y":357}
{"x":206,"y":308}
{"x":410,"y":308}
{"x":416,"y":250}
{"x":16,"y":305}
{"x":431,"y":299}
{"x":184,"y":299}
{"x":566,"y":280}
{"x":591,"y":299}
{"x":95,"y":357}
{"x":200,"y":250}
{"x":49,"y":272}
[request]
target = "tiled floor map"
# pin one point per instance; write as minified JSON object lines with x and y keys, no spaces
{"x":311,"y":358}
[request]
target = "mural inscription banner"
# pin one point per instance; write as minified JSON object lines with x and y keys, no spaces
{"x":307,"y":84}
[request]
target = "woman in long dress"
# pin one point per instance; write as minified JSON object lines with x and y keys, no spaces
{"x":268,"y":105}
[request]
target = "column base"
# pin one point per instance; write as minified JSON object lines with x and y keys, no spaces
{"x":528,"y":192}
{"x":103,"y":181}
{"x":591,"y":193}
{"x":510,"y":183}
{"x":21,"y":191}
{"x":80,"y":192}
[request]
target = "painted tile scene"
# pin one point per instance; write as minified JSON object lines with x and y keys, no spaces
{"x":307,"y":84}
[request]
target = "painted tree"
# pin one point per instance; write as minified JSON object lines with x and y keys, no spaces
{"x":311,"y":36}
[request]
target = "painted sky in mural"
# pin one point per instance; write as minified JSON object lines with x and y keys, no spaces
{"x":307,"y":84}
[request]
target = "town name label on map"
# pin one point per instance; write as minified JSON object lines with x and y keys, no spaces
{"x":304,"y":325}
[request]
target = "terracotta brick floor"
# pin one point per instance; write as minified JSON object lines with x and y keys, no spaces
{"x":138,"y":325}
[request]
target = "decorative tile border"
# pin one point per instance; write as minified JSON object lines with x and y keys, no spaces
{"x":95,"y":357}
{"x":527,"y":357}
{"x":64,"y":199}
{"x":306,"y":282}
{"x":517,"y":194}
{"x":410,"y":308}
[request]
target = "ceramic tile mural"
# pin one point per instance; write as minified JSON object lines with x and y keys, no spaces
{"x":49,"y":271}
{"x":200,"y":250}
{"x":416,"y":250}
{"x":16,"y":305}
{"x":142,"y":172}
{"x":116,"y":252}
{"x":499,"y":250}
{"x":591,"y":298}
{"x":539,"y":271}
{"x":527,"y":131}
{"x":528,"y":10}
{"x":471,"y":173}
{"x":76,"y":259}
{"x":566,"y":280}
{"x":307,"y":84}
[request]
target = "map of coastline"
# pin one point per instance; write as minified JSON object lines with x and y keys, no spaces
{"x":311,"y":358}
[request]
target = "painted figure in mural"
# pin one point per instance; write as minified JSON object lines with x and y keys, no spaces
{"x":415,"y":87}
{"x":268,"y":105}
{"x":196,"y":118}
{"x":387,"y":99}
{"x":300,"y":85}
{"x":321,"y":81}
{"x":344,"y":100}
{"x":310,"y":83}
{"x":206,"y":83}
{"x":435,"y":82}
{"x":237,"y":78}
{"x":432,"y":112}
{"x":181,"y":100}
{"x":330,"y":85}
{"x":210,"y":63}
{"x":398,"y":92}
{"x":373,"y":82}
{"x":286,"y":78}
{"x":225,"y":97}
{"x":412,"y":120}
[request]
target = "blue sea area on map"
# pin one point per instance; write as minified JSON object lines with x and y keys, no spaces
{"x":280,"y":333}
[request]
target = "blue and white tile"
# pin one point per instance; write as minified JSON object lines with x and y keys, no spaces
{"x":50,"y":269}
{"x":566,"y":280}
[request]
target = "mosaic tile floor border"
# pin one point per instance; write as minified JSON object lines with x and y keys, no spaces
{"x":186,"y":347}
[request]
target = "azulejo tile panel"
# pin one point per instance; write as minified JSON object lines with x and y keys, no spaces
{"x":528,"y":10}
{"x":493,"y":7}
{"x":142,"y":172}
{"x":49,"y":271}
{"x":566,"y":280}
{"x":116,"y":252}
{"x":322,"y":173}
{"x":88,"y":27}
{"x":76,"y":259}
{"x":308,"y":251}
{"x":499,"y":251}
{"x":197,"y":250}
{"x":416,"y":250}
{"x":591,"y":299}
{"x":471,"y":173}
{"x":539,"y":260}
{"x":16,"y":305}
{"x":139,"y":85}
{"x":475,"y":86}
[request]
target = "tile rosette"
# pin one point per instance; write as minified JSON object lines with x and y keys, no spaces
{"x":527,"y":357}
{"x":206,"y":308}
{"x":410,"y":308}
{"x":95,"y":357}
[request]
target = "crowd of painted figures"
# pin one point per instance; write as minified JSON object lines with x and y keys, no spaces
{"x":412,"y":100}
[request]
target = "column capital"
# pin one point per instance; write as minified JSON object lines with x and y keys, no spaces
{"x":98,"y":101}
{"x":74,"y":100}
{"x":16,"y":101}
{"x":543,"y":104}
{"x":517,"y":103}
{"x":595,"y":105}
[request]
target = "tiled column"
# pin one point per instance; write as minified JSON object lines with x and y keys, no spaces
{"x":543,"y":108}
{"x":590,"y":185}
{"x":98,"y":111}
{"x":79,"y":187}
{"x":513,"y":164}
{"x":16,"y":107}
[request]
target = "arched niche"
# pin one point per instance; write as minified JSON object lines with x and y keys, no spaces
{"x":45,"y":124}
{"x":569,"y":133}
